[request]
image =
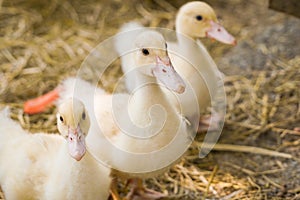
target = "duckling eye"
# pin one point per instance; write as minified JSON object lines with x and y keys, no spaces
{"x":61,"y":119}
{"x":199,"y":17}
{"x":145,"y":52}
{"x":83,"y":116}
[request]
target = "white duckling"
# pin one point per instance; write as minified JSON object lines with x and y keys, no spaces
{"x":139,"y":135}
{"x":192,"y":61}
{"x":190,"y":58}
{"x":147,"y":132}
{"x":49,"y":166}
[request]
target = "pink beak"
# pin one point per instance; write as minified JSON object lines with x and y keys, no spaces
{"x":219,"y":33}
{"x":76,"y":143}
{"x":166,"y":74}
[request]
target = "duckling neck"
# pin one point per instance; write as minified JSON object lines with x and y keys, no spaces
{"x":188,"y":49}
{"x":185,"y":42}
{"x":148,"y":102}
{"x":180,"y":29}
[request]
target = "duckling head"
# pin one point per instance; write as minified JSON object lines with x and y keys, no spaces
{"x":197,"y":19}
{"x":73,"y":124}
{"x":152,"y":51}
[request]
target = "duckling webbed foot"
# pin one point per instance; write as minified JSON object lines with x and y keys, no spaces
{"x":113,"y":189}
{"x":212,"y":122}
{"x":139,"y":192}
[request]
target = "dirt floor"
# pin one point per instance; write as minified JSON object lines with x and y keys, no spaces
{"x":42,"y":42}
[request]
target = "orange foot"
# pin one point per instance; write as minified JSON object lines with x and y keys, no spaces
{"x":210,"y":122}
{"x":139,"y":192}
{"x":39,"y":104}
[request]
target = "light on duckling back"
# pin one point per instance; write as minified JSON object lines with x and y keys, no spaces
{"x":197,"y":19}
{"x":73,"y":123}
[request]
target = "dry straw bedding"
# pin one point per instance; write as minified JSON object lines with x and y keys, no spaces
{"x":44,"y":42}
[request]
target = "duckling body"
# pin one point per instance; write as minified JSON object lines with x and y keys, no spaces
{"x":149,"y":136}
{"x":196,"y":20}
{"x":148,"y":133}
{"x":39,"y":166}
{"x":24,"y":168}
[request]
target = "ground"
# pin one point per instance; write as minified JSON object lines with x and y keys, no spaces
{"x":44,"y":42}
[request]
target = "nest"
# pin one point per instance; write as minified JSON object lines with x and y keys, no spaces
{"x":44,"y":42}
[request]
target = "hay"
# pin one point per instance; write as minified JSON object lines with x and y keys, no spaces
{"x":44,"y":42}
{"x":266,"y":100}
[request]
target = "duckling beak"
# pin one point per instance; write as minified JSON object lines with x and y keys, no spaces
{"x":76,"y":143}
{"x":166,"y":74}
{"x":219,"y":33}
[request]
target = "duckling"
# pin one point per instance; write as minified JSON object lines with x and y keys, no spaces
{"x":196,"y":20}
{"x":147,"y":131}
{"x":51,"y":166}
